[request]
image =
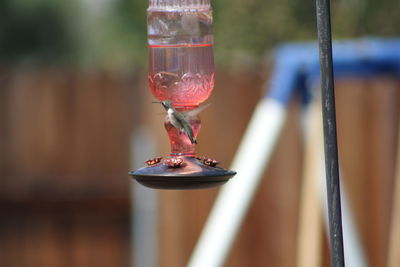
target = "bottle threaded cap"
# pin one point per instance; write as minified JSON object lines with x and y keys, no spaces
{"x":168,"y":4}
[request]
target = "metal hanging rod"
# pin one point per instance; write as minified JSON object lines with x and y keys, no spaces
{"x":330,"y":137}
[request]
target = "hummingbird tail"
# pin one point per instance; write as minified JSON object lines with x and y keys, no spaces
{"x":192,"y":139}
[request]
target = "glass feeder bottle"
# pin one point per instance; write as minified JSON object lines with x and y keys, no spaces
{"x":181,"y":75}
{"x":181,"y":60}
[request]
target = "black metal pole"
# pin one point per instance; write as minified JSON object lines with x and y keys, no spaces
{"x":330,"y":138}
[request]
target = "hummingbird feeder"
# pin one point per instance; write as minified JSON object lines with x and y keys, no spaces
{"x":181,"y":77}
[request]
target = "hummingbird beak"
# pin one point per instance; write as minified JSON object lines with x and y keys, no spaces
{"x":160,"y":102}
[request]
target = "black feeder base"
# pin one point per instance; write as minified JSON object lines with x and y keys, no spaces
{"x":193,"y":173}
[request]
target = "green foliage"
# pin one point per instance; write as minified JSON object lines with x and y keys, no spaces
{"x":254,"y":26}
{"x":51,"y":31}
{"x":32,"y":31}
{"x":357,"y":18}
{"x":131,"y":29}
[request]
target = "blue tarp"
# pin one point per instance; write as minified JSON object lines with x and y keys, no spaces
{"x":297,"y":64}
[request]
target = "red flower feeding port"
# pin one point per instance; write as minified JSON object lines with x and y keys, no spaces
{"x":181,"y":76}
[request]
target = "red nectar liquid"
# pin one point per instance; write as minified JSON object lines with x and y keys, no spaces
{"x":183,"y":74}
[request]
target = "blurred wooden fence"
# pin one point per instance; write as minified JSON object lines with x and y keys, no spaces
{"x":64,"y":156}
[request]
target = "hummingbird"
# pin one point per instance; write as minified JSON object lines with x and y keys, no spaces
{"x":180,"y":120}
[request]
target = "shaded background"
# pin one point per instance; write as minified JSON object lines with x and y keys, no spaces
{"x":73,"y":90}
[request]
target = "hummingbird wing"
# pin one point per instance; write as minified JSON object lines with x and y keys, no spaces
{"x":195,"y":111}
{"x":184,"y":125}
{"x":189,"y":132}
